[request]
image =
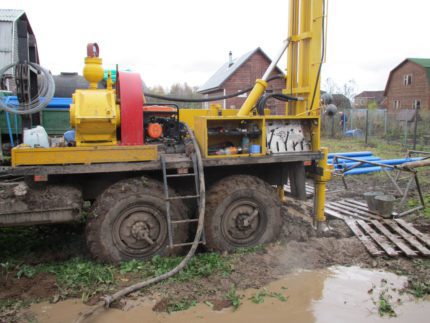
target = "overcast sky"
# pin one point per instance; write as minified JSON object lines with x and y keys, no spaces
{"x":171,"y":41}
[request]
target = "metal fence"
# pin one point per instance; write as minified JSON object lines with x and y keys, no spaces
{"x":370,"y":124}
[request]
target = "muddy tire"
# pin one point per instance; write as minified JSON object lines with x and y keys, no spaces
{"x":241,"y":211}
{"x":128,"y":221}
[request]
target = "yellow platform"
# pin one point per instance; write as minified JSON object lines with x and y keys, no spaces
{"x":24,"y":155}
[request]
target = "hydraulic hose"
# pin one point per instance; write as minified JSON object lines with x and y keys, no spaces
{"x":107,"y":300}
{"x":40,"y":101}
{"x":209,"y":99}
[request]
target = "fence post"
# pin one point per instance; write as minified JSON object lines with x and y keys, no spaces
{"x":367,"y":126}
{"x":406,"y":134}
{"x":385,"y":122}
{"x":415,"y":128}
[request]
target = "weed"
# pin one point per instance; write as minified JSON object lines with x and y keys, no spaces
{"x":26,"y":271}
{"x":415,"y":202}
{"x":234,"y":297}
{"x":132,"y":266}
{"x":180,"y":305}
{"x":247,"y":250}
{"x":385,"y":308}
{"x":419,"y":289}
{"x":279,"y":296}
{"x":258,"y":298}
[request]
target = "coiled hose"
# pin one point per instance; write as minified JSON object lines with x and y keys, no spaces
{"x":40,"y":101}
{"x":107,"y":300}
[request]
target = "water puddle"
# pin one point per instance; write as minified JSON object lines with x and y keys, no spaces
{"x":338,"y":294}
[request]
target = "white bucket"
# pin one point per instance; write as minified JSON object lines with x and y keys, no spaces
{"x":36,"y":137}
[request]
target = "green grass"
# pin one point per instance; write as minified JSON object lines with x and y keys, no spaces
{"x":384,"y":306}
{"x":413,"y":202}
{"x":259,"y":296}
{"x":234,"y":297}
{"x":180,"y":305}
{"x":85,"y":278}
{"x":379,"y":148}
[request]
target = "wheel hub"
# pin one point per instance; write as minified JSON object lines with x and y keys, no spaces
{"x":242,"y":223}
{"x":140,"y":230}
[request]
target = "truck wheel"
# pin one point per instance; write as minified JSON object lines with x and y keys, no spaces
{"x":128,"y":221}
{"x":241,"y":211}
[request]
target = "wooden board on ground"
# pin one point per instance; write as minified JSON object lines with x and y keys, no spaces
{"x":408,"y":237}
{"x":421,"y":236}
{"x":388,"y":237}
{"x":379,"y":236}
{"x":367,"y":241}
{"x":350,"y":209}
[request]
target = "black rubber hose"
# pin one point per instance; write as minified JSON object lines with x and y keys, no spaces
{"x":107,"y":300}
{"x":261,"y":103}
{"x":209,"y":99}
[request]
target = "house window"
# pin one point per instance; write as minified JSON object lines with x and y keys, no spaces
{"x":407,"y":79}
{"x":417,"y":104}
{"x":396,"y":104}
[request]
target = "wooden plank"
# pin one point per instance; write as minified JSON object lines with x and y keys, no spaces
{"x":356,"y":202}
{"x":364,"y":214}
{"x":368,"y":243}
{"x":378,"y":238}
{"x":395,"y":239}
{"x":345,"y":212}
{"x":359,"y":207}
{"x":421,"y":236}
{"x":408,"y":237}
{"x":334,"y":214}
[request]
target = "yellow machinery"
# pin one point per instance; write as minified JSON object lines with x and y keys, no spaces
{"x":245,"y":153}
{"x":94,"y":113}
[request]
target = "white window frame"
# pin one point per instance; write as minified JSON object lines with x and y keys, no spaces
{"x":416,"y":104}
{"x":407,"y":79}
{"x":396,"y":104}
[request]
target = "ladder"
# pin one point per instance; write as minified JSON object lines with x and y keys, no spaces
{"x":168,"y":198}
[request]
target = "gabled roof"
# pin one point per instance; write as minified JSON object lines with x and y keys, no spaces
{"x":370,"y":94}
{"x":225,"y":71}
{"x":10,"y":14}
{"x":423,"y":62}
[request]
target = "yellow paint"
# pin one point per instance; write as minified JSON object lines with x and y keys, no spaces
{"x":281,"y":192}
{"x":304,"y":56}
{"x":94,"y":113}
{"x":22,"y":155}
{"x":320,"y":182}
{"x":93,"y":71}
{"x":258,"y":90}
{"x":95,"y":116}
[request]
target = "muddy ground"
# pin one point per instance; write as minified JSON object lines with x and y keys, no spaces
{"x":298,"y":248}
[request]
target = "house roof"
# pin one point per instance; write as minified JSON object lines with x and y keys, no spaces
{"x":423,"y":62}
{"x":10,"y":14}
{"x":370,"y":94}
{"x":225,"y":71}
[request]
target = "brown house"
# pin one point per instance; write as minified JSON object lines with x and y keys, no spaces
{"x":365,"y":98}
{"x":408,"y":86}
{"x":241,"y":73}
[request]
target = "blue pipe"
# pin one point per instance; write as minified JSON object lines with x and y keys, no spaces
{"x":383,"y":161}
{"x":9,"y":129}
{"x":341,"y":160}
{"x":351,"y":154}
